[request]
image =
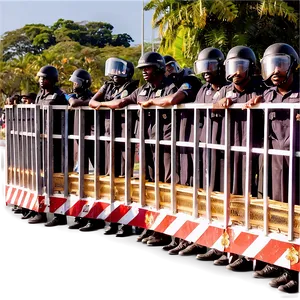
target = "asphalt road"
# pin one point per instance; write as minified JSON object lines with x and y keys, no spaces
{"x":41,"y":263}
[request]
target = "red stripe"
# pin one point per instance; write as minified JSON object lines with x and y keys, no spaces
{"x":165,"y":223}
{"x":31,"y":197}
{"x":39,"y":204}
{"x":118,"y":213}
{"x":23,"y":199}
{"x":296,"y":267}
{"x":8,"y":189}
{"x":143,"y":215}
{"x":15,"y":201}
{"x":96,"y":209}
{"x":76,"y":209}
{"x":56,"y":203}
{"x":272,"y":251}
{"x":210,"y":236}
{"x":186,"y":229}
{"x":241,"y":243}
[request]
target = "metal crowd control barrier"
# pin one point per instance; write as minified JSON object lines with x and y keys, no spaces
{"x":264,"y":229}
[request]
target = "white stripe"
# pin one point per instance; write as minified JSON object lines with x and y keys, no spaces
{"x":158,"y":220}
{"x":175,"y":226}
{"x":26,"y":198}
{"x":19,"y":200}
{"x":197,"y":232}
{"x":282,"y":261}
{"x":256,"y":246}
{"x":33,"y":200}
{"x":13,"y":200}
{"x":108,"y":210}
{"x":218,"y":245}
{"x":10,"y":189}
{"x":130,"y":215}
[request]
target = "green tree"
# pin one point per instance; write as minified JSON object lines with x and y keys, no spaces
{"x":188,"y":26}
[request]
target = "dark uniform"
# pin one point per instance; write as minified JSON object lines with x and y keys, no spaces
{"x":205,"y":95}
{"x":238,"y":134}
{"x":142,"y":94}
{"x":54,"y":96}
{"x":190,"y":85}
{"x":110,"y":92}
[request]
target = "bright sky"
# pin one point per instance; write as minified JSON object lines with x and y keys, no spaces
{"x":124,"y":15}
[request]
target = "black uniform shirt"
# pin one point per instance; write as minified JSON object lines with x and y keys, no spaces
{"x":56,"y":97}
{"x":280,"y":118}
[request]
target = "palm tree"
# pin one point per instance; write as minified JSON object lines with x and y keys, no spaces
{"x":188,"y":26}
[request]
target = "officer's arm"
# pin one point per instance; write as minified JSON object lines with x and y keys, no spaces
{"x":95,"y":101}
{"x":171,"y":99}
{"x":117,"y":103}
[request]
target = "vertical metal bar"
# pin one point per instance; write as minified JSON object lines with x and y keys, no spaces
{"x":81,"y":144}
{"x":32,"y":149}
{"x":26,"y":149}
{"x":112,"y":155}
{"x":44,"y":148}
{"x":49,"y":130}
{"x":173,"y":160}
{"x":14,"y":128}
{"x":207,"y":167}
{"x":128,"y":155}
{"x":37,"y":139}
{"x":142,"y":157}
{"x":22,"y":149}
{"x":266,"y":167}
{"x":291,"y":192}
{"x":196,"y":163}
{"x":157,"y":166}
{"x":96,"y":153}
{"x":65,"y":141}
{"x":227,"y":168}
{"x":8,"y":156}
{"x":18,"y":146}
{"x":248,"y":168}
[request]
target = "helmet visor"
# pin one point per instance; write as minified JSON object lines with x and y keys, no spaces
{"x":116,"y":67}
{"x":236,"y":65}
{"x":205,"y":66}
{"x":76,"y":79}
{"x":270,"y":63}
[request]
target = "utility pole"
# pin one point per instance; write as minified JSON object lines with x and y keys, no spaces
{"x":143,"y":33}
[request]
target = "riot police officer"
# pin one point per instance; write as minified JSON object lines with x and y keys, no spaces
{"x":119,"y":86}
{"x":279,"y":71}
{"x":157,"y":85}
{"x":240,"y":67}
{"x":51,"y":94}
{"x":188,"y":86}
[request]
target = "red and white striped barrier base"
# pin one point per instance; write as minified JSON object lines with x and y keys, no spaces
{"x":274,"y":249}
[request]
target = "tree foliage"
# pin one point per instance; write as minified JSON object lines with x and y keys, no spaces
{"x":188,"y":26}
{"x":35,"y":38}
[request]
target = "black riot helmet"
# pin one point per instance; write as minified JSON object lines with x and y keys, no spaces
{"x":152,"y":59}
{"x":279,"y":55}
{"x":209,"y":60}
{"x":119,"y":67}
{"x":82,"y":78}
{"x":172,"y":65}
{"x":240,"y":58}
{"x":48,"y":72}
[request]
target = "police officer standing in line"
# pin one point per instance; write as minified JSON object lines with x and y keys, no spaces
{"x":157,"y":85}
{"x":80,"y":97}
{"x":210,"y":65}
{"x":240,"y":66}
{"x":188,"y":86}
{"x":279,"y":70}
{"x":119,"y":86}
{"x":50,"y":94}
